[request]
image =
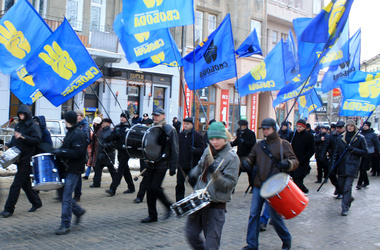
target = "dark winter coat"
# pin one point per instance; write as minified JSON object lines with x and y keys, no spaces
{"x":86,"y":129}
{"x":171,"y":151}
{"x":350,"y":162}
{"x":31,"y":134}
{"x":371,"y":139}
{"x":136,"y":120}
{"x":264,"y":165}
{"x":119,"y":134}
{"x":177,"y":126}
{"x":73,"y":150}
{"x":45,"y":134}
{"x":185,"y":140}
{"x":106,"y":147}
{"x":245,"y":140}
{"x":320,"y":145}
{"x":286,"y":134}
{"x":303,"y":146}
{"x":330,"y":145}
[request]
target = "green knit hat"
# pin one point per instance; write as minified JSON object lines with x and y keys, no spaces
{"x":217,"y":130}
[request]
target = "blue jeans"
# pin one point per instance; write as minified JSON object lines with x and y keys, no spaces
{"x":69,"y":205}
{"x":264,"y":218}
{"x":254,"y":222}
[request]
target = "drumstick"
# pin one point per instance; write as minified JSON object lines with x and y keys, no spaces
{"x":137,"y":177}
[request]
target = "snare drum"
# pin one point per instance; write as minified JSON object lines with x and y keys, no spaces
{"x":45,"y":172}
{"x":9,"y":157}
{"x":284,"y":195}
{"x":190,"y":204}
{"x":145,"y":142}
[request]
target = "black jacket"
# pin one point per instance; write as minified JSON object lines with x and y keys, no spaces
{"x":303,"y":146}
{"x":350,"y":162}
{"x":170,"y":161}
{"x":371,"y":139}
{"x":185,"y":140}
{"x":286,"y":134}
{"x":118,"y":136}
{"x":320,"y":145}
{"x":330,"y":145}
{"x":73,"y":150}
{"x":105,"y":147}
{"x":245,"y":140}
{"x":177,"y":126}
{"x":31,"y":133}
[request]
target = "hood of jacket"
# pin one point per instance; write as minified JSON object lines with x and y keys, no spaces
{"x":24,"y":109}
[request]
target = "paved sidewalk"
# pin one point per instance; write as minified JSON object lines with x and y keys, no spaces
{"x":114,"y":222}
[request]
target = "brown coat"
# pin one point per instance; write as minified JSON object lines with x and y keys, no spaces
{"x":264,"y":166}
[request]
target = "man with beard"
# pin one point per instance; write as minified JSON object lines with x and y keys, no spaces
{"x":303,"y":146}
{"x":189,"y":153}
{"x":328,"y":150}
{"x":26,"y":138}
{"x":349,"y":149}
{"x":372,"y":143}
{"x":156,"y":171}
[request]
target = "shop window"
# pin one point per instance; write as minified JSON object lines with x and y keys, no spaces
{"x":159,"y":98}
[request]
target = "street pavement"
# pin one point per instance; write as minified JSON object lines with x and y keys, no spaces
{"x":114,"y":222}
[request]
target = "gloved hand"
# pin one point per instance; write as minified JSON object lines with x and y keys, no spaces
{"x":283,"y":165}
{"x":192,"y":181}
{"x":350,"y":148}
{"x":246,"y":165}
{"x":172,"y":172}
{"x":193,"y":149}
{"x":57,"y":152}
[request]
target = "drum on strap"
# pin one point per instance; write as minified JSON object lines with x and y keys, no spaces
{"x":45,"y":172}
{"x":284,"y":195}
{"x":9,"y":157}
{"x":145,"y":142}
{"x":190,"y":204}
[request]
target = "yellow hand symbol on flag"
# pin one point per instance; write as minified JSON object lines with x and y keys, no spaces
{"x":259,"y":72}
{"x":151,"y":3}
{"x":371,"y":86}
{"x":59,"y":60}
{"x":14,"y":41}
{"x":160,"y":57}
{"x":302,"y":101}
{"x":141,"y":37}
{"x":336,"y":14}
{"x":24,"y":76}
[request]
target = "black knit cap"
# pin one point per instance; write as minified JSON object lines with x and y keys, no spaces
{"x":123,"y":115}
{"x":71,"y":117}
{"x":368,"y":123}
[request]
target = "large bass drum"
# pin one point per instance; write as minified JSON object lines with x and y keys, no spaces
{"x":145,"y":142}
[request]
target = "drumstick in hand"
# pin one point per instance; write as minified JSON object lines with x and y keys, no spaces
{"x":137,"y":177}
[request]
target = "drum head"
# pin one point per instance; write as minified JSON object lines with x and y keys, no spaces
{"x":154,"y":142}
{"x":274,"y":185}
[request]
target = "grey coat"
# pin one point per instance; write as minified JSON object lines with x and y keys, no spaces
{"x":224,"y":180}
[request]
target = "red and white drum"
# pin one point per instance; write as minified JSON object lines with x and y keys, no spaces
{"x":284,"y":195}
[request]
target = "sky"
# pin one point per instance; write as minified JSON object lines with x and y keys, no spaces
{"x":365,"y":14}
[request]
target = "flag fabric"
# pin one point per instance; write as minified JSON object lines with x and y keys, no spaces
{"x":267,"y":76}
{"x":22,"y":30}
{"x":141,"y":46}
{"x":146,"y":15}
{"x":310,"y":53}
{"x":294,"y":88}
{"x":214,"y":59}
{"x":170,"y":57}
{"x":61,"y":67}
{"x":250,"y":46}
{"x":23,"y":87}
{"x":360,"y":93}
{"x":327,"y":26}
{"x":308,"y":103}
{"x":290,"y":58}
{"x":335,"y":73}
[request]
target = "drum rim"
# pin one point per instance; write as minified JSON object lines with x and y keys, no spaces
{"x":282,"y":186}
{"x":42,"y":154}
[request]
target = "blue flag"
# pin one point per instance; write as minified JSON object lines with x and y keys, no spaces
{"x":327,"y":26}
{"x":293,"y":89}
{"x":267,"y":76}
{"x":169,"y":57}
{"x":308,"y":103}
{"x":214,"y":59}
{"x":360,"y":93}
{"x":61,"y":67}
{"x":23,"y":87}
{"x":22,"y":30}
{"x":146,"y":15}
{"x":250,"y":46}
{"x":335,"y":73}
{"x":290,"y":58}
{"x":141,"y":46}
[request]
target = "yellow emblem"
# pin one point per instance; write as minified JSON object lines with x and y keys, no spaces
{"x":371,"y":86}
{"x":302,"y":101}
{"x":14,"y":41}
{"x":141,"y":37}
{"x":59,"y":60}
{"x":259,"y":72}
{"x":24,"y":76}
{"x":152,"y":3}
